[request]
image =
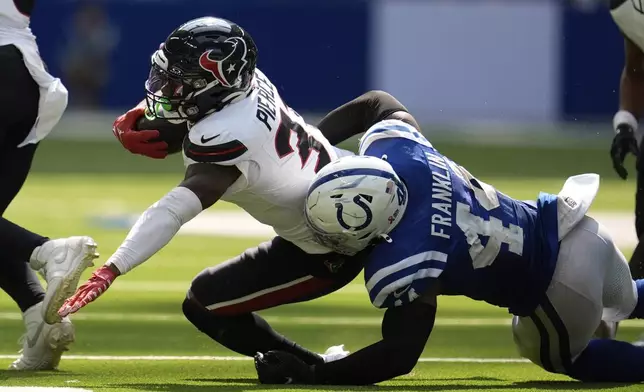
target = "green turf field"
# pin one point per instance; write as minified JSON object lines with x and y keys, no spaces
{"x":134,"y":338}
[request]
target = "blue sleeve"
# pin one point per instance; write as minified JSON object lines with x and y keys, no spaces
{"x":399,"y":272}
{"x":392,"y":131}
{"x":395,"y":282}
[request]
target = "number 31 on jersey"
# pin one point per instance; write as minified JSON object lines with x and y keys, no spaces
{"x":306,"y":144}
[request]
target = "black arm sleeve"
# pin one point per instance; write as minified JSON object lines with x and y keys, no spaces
{"x":615,"y":3}
{"x":405,"y":331}
{"x":357,"y":116}
{"x":25,"y":7}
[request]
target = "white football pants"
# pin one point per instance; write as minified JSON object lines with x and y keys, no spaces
{"x":591,"y":282}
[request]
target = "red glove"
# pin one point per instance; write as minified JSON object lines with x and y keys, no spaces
{"x":138,"y":142}
{"x":97,"y":284}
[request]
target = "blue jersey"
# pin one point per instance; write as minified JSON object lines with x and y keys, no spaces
{"x":477,"y":241}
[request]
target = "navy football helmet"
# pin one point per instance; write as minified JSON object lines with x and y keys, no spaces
{"x":204,"y":65}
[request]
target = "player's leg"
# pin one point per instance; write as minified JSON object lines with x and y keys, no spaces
{"x":19,"y":105}
{"x":16,"y":277}
{"x":591,"y":275}
{"x":222,"y":299}
{"x":19,"y":100}
{"x":42,"y":344}
{"x":636,"y":263}
{"x":611,"y":360}
{"x":25,"y":251}
{"x":608,"y":329}
{"x":61,"y":260}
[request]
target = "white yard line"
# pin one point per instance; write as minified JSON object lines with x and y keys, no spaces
{"x":238,"y":223}
{"x":43,"y":389}
{"x":234,"y":358}
{"x":296,"y":320}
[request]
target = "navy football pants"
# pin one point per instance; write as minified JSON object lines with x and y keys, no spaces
{"x":272,"y":274}
{"x":19,"y":97}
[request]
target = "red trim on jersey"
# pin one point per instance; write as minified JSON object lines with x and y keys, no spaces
{"x":217,"y":153}
{"x":275,"y":298}
{"x":223,"y":152}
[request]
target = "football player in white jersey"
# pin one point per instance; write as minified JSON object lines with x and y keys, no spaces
{"x":629,"y":17}
{"x":30,"y":93}
{"x":246,"y":146}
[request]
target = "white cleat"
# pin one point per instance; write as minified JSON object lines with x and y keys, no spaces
{"x":43,"y":344}
{"x":62,"y":262}
{"x":334,"y":353}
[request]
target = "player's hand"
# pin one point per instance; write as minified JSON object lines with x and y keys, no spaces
{"x":623,"y":143}
{"x":279,"y":367}
{"x":97,"y":284}
{"x":138,"y":142}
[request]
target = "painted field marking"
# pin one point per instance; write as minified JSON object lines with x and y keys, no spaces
{"x":236,"y":358}
{"x":304,"y":320}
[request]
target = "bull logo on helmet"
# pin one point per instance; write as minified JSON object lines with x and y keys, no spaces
{"x":227,"y":70}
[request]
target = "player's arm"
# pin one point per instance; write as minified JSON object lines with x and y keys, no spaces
{"x":25,"y":7}
{"x":631,"y":86}
{"x":406,"y":326}
{"x":151,"y":136}
{"x":203,"y":185}
{"x":405,"y":331}
{"x":358,"y":115}
{"x":631,"y":106}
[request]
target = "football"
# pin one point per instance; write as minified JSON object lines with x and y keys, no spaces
{"x":170,"y":131}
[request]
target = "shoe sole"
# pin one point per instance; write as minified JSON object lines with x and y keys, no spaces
{"x":61,"y":288}
{"x":58,"y":341}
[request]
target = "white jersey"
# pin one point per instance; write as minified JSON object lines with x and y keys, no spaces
{"x":11,"y":16}
{"x":629,"y":17}
{"x":277,"y":153}
{"x":14,"y":30}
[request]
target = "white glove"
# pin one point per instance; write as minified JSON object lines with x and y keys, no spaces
{"x":334,"y":353}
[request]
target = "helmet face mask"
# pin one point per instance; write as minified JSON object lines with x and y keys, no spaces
{"x":204,"y":65}
{"x":170,"y":96}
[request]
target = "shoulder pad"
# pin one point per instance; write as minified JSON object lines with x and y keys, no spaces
{"x":391,"y":129}
{"x":393,"y":282}
{"x":209,"y":143}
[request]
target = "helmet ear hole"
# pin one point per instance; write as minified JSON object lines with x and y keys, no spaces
{"x":199,"y":83}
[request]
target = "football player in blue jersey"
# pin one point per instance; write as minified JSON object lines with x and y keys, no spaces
{"x":437,"y":230}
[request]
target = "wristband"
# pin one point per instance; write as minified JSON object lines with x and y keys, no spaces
{"x":624,"y":117}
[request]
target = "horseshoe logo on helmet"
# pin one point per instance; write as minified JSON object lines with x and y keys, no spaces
{"x":360,"y":203}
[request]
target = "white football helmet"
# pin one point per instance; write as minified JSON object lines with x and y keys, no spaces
{"x":353,"y":201}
